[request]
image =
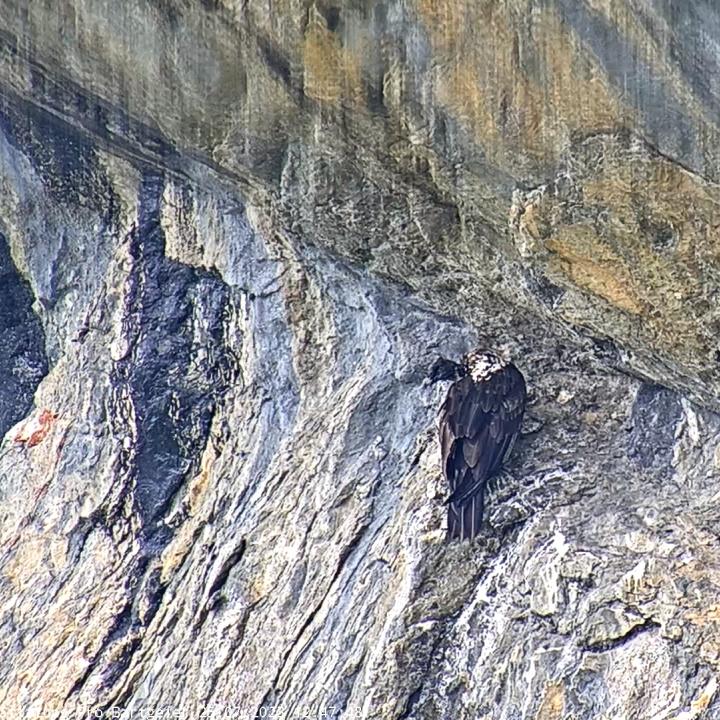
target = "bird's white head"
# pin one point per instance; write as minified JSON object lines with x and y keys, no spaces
{"x":481,"y":364}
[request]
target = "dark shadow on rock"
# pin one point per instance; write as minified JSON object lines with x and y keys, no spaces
{"x":23,"y":362}
{"x":178,"y":366}
{"x":655,"y":415}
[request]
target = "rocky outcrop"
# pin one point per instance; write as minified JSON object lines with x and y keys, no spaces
{"x":234,"y":239}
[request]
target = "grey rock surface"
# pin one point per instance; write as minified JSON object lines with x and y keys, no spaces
{"x":233,"y":240}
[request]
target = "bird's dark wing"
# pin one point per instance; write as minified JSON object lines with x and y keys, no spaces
{"x":478,"y":425}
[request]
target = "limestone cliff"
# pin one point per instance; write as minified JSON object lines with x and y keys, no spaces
{"x":234,"y":236}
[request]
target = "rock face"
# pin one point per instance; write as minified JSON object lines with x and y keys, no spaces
{"x":233,"y":240}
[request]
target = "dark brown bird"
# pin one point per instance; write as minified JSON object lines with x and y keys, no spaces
{"x":479,"y":421}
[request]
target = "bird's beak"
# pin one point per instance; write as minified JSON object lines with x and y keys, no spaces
{"x":444,"y":369}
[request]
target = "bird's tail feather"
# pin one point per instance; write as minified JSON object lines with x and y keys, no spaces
{"x":464,"y":520}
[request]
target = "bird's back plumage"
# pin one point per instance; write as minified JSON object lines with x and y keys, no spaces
{"x":479,"y":422}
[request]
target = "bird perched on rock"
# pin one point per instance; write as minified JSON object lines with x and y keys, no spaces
{"x":479,"y":421}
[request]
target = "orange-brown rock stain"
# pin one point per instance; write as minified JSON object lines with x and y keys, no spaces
{"x":331,"y":72}
{"x":34,"y":430}
{"x":517,"y":77}
{"x":553,"y":703}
